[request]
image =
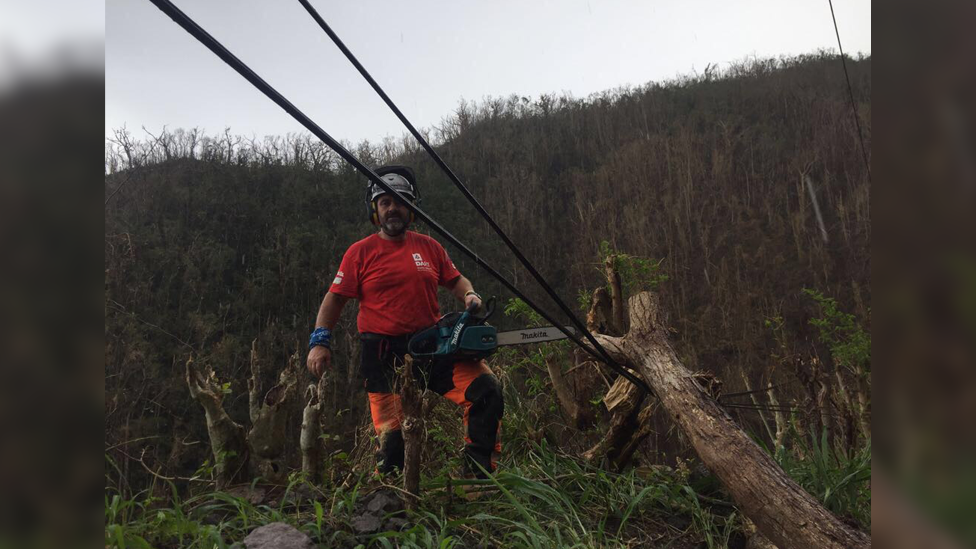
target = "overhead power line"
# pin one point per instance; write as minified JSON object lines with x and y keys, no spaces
{"x":224,"y":54}
{"x":850,"y":93}
{"x":457,"y":182}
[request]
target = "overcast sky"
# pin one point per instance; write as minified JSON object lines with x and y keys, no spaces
{"x":428,"y":55}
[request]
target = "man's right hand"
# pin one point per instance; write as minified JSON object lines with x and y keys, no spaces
{"x":319,"y":359}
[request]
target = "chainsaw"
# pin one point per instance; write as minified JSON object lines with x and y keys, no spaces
{"x":466,"y":335}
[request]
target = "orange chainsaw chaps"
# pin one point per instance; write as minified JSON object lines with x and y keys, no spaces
{"x":386,"y":412}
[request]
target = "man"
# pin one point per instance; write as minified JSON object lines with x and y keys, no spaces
{"x":395,"y":274}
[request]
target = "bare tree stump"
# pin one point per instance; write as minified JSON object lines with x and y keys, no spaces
{"x":310,"y":439}
{"x":782,"y":511}
{"x":642,"y":431}
{"x":623,"y":401}
{"x":269,"y":415}
{"x":227,"y":440}
{"x":411,"y":402}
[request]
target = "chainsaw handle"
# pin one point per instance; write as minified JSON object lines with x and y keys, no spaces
{"x":488,"y":306}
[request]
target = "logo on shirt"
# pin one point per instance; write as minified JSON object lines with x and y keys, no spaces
{"x":421,"y":264}
{"x":338,"y":278}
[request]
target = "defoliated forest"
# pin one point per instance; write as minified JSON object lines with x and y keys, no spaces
{"x":739,"y":196}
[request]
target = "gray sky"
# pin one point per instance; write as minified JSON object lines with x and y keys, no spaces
{"x":428,"y":55}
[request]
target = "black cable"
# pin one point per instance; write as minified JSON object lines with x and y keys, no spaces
{"x":850,"y":92}
{"x":223,"y":53}
{"x":457,"y":182}
{"x":754,"y":391}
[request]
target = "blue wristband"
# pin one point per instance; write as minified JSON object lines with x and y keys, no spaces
{"x":321,"y":336}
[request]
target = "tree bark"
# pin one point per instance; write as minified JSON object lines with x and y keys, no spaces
{"x":411,"y":401}
{"x":642,"y":431}
{"x":599,"y":318}
{"x":781,"y":426}
{"x":577,"y":415}
{"x":310,"y":439}
{"x":863,"y":402}
{"x":616,"y":295}
{"x":780,"y":508}
{"x":269,"y":415}
{"x":623,"y":401}
{"x":227,"y":440}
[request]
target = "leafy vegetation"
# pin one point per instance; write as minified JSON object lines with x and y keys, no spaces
{"x":212,"y":242}
{"x":542,"y":498}
{"x":849,"y":343}
{"x":637,"y":274}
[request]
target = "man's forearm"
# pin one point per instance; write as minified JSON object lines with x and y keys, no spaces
{"x":330,"y":310}
{"x":461,"y":287}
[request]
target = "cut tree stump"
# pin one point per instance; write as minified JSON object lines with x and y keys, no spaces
{"x":411,"y":402}
{"x":240,"y":456}
{"x":782,"y":511}
{"x":227,"y":438}
{"x":623,"y":401}
{"x":310,"y":439}
{"x":269,"y":415}
{"x":629,"y":425}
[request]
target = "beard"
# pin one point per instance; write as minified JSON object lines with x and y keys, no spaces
{"x":394,"y":225}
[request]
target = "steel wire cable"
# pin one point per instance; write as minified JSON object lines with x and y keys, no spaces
{"x":850,"y":93}
{"x":454,"y":178}
{"x":224,"y":54}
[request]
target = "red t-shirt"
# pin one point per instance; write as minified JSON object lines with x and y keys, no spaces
{"x":395,"y":282}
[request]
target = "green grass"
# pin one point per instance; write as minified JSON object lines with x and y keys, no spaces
{"x":841,"y":482}
{"x":541,"y":499}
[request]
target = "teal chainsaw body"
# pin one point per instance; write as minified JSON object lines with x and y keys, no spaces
{"x":457,"y":335}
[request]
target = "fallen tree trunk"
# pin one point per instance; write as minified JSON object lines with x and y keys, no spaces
{"x":780,"y":508}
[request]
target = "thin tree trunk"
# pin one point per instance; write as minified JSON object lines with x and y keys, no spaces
{"x":781,"y":425}
{"x":571,"y":407}
{"x":759,"y":408}
{"x":616,"y":296}
{"x":411,"y":401}
{"x":863,"y":402}
{"x":780,"y":508}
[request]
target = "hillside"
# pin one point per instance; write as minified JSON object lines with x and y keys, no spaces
{"x":214,"y":241}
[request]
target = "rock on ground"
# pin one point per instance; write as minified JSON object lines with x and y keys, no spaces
{"x":277,"y":535}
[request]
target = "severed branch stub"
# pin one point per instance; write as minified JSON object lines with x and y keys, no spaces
{"x":411,"y":402}
{"x":782,"y":511}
